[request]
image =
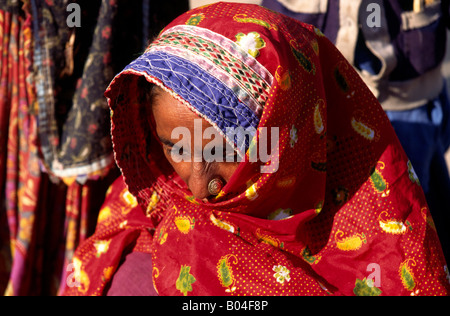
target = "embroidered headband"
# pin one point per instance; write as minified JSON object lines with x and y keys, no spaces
{"x":218,"y":79}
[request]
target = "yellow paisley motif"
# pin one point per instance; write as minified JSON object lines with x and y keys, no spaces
{"x":283,"y":78}
{"x":191,"y":199}
{"x":243,"y":18}
{"x":80,"y":276}
{"x":318,"y":121}
{"x":363,"y":130}
{"x":84,"y":282}
{"x":155,"y":274}
{"x":130,"y":199}
{"x":163,"y":239}
{"x":221,"y":224}
{"x":392,"y":226}
{"x":108,"y":273}
{"x":251,"y":192}
{"x":269,"y":239}
{"x":101,"y":247}
{"x":104,"y":214}
{"x":162,"y":236}
{"x":350,"y":243}
{"x":427,"y":218}
{"x":184,"y":224}
{"x":153,"y":203}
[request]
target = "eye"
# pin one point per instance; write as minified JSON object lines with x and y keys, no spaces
{"x":176,"y":153}
{"x":168,"y":150}
{"x":179,"y":150}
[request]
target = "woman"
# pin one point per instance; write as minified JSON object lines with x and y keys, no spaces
{"x":330,"y":205}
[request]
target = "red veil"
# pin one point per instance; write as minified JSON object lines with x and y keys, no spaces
{"x":341,"y":213}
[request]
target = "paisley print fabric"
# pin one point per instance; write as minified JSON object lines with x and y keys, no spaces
{"x":342,"y":215}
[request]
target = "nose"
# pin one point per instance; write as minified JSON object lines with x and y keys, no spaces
{"x":198,"y":181}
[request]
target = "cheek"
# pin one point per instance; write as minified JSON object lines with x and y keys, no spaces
{"x":226,"y":170}
{"x":183,"y":169}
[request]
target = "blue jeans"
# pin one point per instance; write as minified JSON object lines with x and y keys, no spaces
{"x":425,"y":135}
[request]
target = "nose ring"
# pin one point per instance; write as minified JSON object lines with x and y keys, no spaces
{"x":215,"y":186}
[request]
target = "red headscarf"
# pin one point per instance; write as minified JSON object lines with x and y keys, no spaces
{"x":343,"y":214}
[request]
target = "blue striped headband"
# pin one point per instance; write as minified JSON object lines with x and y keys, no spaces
{"x":217,"y":79}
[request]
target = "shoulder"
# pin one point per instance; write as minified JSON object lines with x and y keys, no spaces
{"x":118,"y":204}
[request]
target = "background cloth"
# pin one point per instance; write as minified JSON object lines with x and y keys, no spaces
{"x":55,"y":151}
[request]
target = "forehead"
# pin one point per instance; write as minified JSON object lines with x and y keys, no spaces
{"x":169,"y":113}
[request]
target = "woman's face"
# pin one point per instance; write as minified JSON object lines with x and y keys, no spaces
{"x":170,"y":114}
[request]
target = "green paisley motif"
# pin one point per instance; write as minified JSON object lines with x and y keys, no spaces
{"x":185,"y":280}
{"x":341,"y":80}
{"x":304,"y":61}
{"x":378,"y":181}
{"x":226,"y":277}
{"x":366,"y":288}
{"x":406,"y":275}
{"x":195,"y":19}
{"x":412,"y":174}
{"x":225,"y":272}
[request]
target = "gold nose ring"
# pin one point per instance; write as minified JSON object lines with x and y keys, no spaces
{"x":215,"y":186}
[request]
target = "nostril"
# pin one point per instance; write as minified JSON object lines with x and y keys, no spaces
{"x":199,"y":188}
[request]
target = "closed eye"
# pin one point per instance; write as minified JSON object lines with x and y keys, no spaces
{"x":166,"y":142}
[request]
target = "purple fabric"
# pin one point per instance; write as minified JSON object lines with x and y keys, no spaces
{"x":133,"y":277}
{"x":209,"y":95}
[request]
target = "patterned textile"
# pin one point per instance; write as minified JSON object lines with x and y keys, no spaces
{"x":73,"y":143}
{"x":42,"y":221}
{"x":405,"y":55}
{"x":19,"y":167}
{"x":55,"y":150}
{"x":345,"y":199}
